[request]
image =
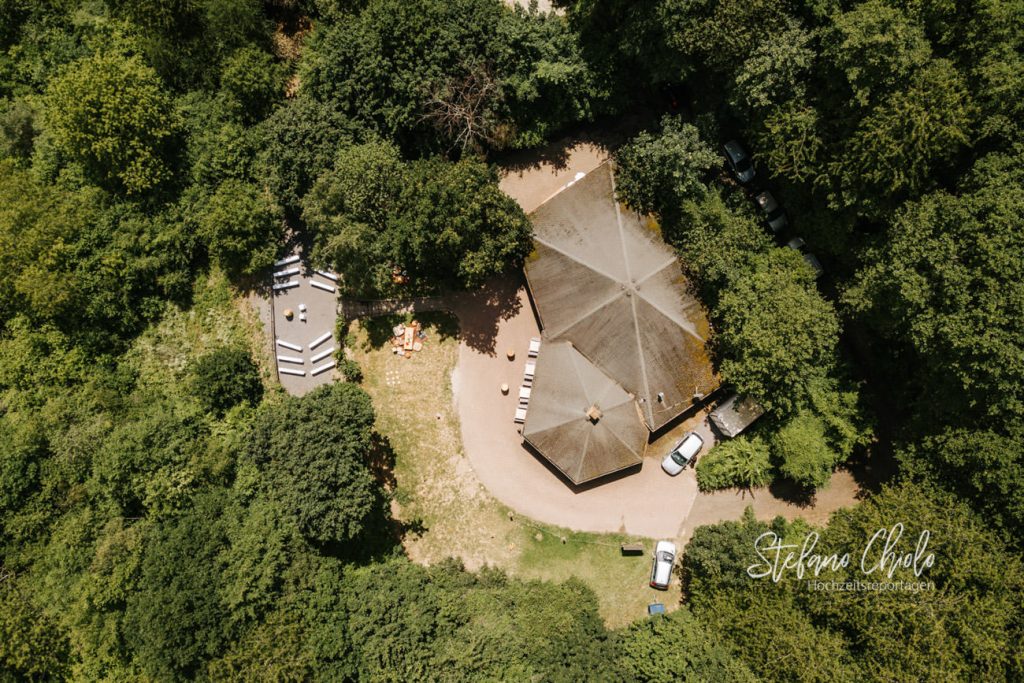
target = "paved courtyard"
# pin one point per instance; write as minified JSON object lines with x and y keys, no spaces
{"x":314,"y":362}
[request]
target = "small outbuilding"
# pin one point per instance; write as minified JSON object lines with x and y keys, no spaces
{"x":735,"y":414}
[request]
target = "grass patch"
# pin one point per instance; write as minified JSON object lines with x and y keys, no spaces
{"x":439,"y":499}
{"x":218,"y":317}
{"x":620,"y":582}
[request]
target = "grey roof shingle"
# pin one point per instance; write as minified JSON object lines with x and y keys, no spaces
{"x":623,"y":333}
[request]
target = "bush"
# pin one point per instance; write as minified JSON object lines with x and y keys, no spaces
{"x":740,"y":462}
{"x":226,"y":377}
{"x":803,"y":449}
{"x":350,"y":368}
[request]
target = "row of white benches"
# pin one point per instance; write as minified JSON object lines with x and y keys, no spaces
{"x":288,"y":272}
{"x":299,"y":361}
{"x":527,"y":386}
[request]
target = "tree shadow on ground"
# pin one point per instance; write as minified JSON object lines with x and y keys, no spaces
{"x":380,"y":329}
{"x":791,"y":492}
{"x":413,"y":528}
{"x":480,"y":312}
{"x":606,"y":134}
{"x":872,"y":468}
{"x":381,"y":460}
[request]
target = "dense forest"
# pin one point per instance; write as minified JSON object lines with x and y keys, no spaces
{"x":157,"y":155}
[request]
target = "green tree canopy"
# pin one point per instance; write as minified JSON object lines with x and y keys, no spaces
{"x":695,"y":654}
{"x":312,"y":455}
{"x":984,"y":466}
{"x":174,"y":620}
{"x":947,"y":282}
{"x":110,"y":113}
{"x":655,"y":173}
{"x":778,"y":334}
{"x":424,"y":73}
{"x":242,"y":228}
{"x":444,"y":224}
{"x":254,"y":81}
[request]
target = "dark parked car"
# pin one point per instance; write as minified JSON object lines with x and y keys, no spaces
{"x":774,"y":214}
{"x":739,"y":161}
{"x":812,"y":260}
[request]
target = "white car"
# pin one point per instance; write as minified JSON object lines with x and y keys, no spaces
{"x":664,"y":560}
{"x":683,"y":454}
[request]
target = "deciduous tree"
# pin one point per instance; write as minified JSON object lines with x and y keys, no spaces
{"x":110,"y":113}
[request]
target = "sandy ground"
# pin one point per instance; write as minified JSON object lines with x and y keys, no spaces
{"x":321,"y":314}
{"x":533,"y":183}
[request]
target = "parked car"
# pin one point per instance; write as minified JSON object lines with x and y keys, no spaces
{"x":664,"y":560}
{"x":774,"y":214}
{"x":739,"y":162}
{"x":684,"y":454}
{"x":812,"y":260}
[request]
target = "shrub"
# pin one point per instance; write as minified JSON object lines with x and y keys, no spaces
{"x":350,"y":369}
{"x":740,"y":462}
{"x":803,"y":449}
{"x":226,"y":377}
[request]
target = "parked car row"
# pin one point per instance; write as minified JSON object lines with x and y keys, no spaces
{"x":741,"y":166}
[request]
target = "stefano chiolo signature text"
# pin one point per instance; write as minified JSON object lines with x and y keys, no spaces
{"x":883,"y":554}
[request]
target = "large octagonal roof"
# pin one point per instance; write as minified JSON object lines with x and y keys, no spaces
{"x":602,"y":279}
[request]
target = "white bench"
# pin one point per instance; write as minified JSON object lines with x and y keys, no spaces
{"x":320,"y":356}
{"x":320,"y":285}
{"x":323,"y":368}
{"x":290,"y":371}
{"x":520,"y":416}
{"x":287,"y":273}
{"x":534,"y":347}
{"x":321,"y":339}
{"x":288,"y":260}
{"x":286,"y":285}
{"x":291,"y":359}
{"x":289,"y":345}
{"x":327,"y":274}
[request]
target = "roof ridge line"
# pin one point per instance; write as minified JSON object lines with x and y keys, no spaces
{"x":583,"y":454}
{"x":661,"y":310}
{"x":632,"y":303}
